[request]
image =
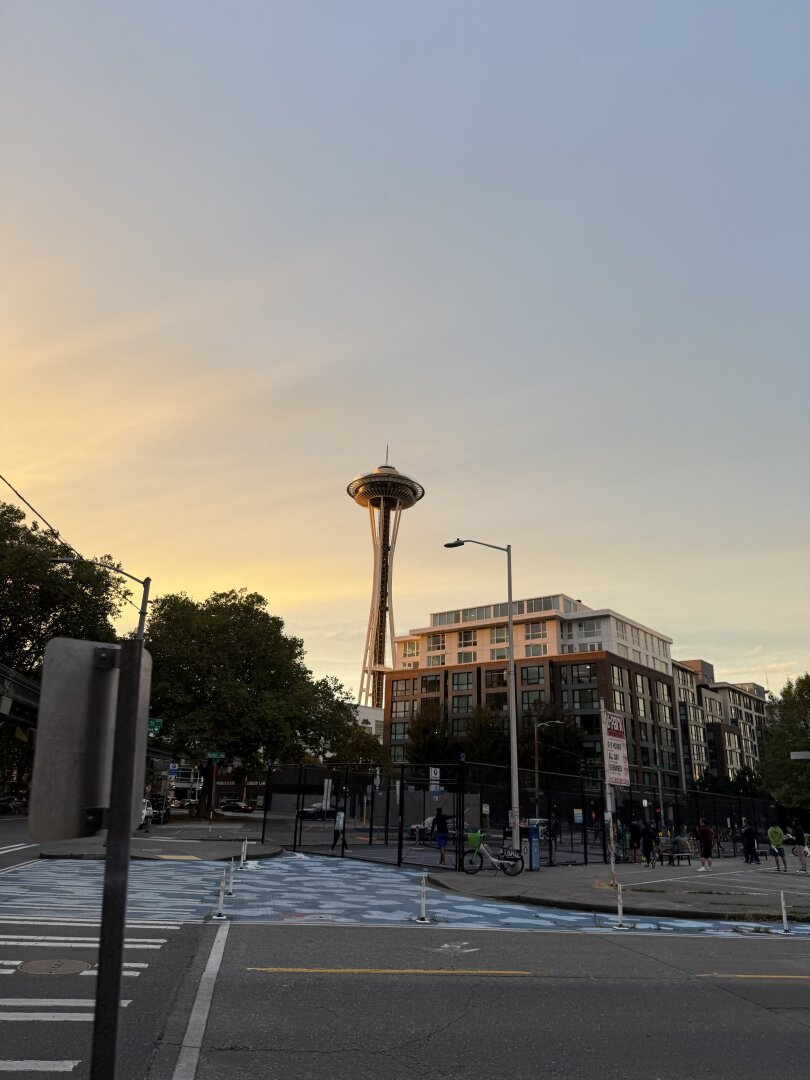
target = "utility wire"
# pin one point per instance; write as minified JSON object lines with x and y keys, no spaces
{"x":54,"y":532}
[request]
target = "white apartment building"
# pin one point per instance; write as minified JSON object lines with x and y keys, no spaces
{"x":543,"y":626}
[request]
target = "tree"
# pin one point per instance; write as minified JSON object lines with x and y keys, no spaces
{"x":487,"y":740}
{"x":40,"y":600}
{"x":789,"y":781}
{"x":429,"y":740}
{"x":559,"y":745}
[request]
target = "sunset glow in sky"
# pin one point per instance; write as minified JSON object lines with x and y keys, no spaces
{"x":555,"y":255}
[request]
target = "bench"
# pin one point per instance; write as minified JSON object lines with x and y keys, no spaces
{"x":671,"y":856}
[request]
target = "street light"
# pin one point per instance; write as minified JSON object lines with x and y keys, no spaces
{"x":537,"y":725}
{"x":145,"y":583}
{"x":514,"y":812}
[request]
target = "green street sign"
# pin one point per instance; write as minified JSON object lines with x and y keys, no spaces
{"x":216,"y":755}
{"x":154,"y":725}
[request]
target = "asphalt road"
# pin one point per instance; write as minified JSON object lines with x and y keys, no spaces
{"x":358,"y":1003}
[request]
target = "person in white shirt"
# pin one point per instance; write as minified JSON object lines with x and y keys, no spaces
{"x":340,"y":820}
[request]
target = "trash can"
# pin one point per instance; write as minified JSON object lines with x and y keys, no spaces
{"x":530,"y":846}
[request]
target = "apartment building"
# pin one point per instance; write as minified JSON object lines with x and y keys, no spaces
{"x":734,"y":717}
{"x":692,"y":720}
{"x":567,"y":655}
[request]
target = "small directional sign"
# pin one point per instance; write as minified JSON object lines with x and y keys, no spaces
{"x":216,"y":755}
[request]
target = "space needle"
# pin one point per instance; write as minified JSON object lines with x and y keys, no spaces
{"x":386,"y":492}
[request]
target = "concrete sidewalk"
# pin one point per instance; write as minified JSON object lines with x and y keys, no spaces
{"x":732,"y":890}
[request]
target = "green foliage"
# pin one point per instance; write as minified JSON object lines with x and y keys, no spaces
{"x":429,"y":740}
{"x":559,"y":746}
{"x":487,"y":738}
{"x":789,"y":781}
{"x":40,"y":600}
{"x":226,"y":677}
{"x":747,"y":782}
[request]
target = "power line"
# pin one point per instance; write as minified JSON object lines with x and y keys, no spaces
{"x":54,"y":532}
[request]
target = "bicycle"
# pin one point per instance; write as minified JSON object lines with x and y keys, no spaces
{"x":507,"y":859}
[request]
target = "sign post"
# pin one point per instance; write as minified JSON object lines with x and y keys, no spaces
{"x":617,"y":772}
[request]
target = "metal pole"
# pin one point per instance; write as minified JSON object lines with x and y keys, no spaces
{"x":267,"y":789}
{"x":513,"y":748}
{"x":387,"y":806}
{"x":401,"y":815}
{"x":536,"y":773}
{"x":116,"y":866}
{"x":460,"y":821}
{"x":142,"y":613}
{"x":371,"y":814}
{"x":345,"y":810}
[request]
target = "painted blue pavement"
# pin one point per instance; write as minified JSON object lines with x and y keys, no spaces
{"x":296,"y":889}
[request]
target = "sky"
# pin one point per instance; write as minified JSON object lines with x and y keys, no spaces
{"x":555,"y":256}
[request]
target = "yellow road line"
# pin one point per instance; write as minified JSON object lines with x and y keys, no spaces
{"x":180,"y":858}
{"x":719,"y":975}
{"x":384,"y":971}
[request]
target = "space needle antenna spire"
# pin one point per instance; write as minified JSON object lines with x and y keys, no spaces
{"x":386,"y":492}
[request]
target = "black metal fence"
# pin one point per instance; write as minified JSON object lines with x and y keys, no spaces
{"x":387,"y":812}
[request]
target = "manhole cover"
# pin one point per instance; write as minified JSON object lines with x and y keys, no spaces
{"x":54,"y":967}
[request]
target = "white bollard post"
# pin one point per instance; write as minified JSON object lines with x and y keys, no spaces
{"x":785,"y":926}
{"x":423,"y":915}
{"x":243,"y":856}
{"x":230,"y":879}
{"x":620,"y":905}
{"x":220,"y":914}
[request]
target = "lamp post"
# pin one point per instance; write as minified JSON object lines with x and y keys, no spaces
{"x":514,"y":812}
{"x":537,"y":725}
{"x":145,"y":583}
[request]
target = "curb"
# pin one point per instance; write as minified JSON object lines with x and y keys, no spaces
{"x":610,"y":909}
{"x":154,"y":858}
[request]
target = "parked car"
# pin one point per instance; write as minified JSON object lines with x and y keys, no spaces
{"x":233,"y":806}
{"x":316,"y":812}
{"x":10,"y":804}
{"x":421,"y":832}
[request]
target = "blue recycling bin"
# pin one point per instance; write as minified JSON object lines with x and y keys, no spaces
{"x":530,"y":846}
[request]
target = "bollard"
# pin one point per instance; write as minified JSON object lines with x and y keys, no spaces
{"x":220,"y":914}
{"x":243,"y":856}
{"x":620,"y":909}
{"x":423,"y":904}
{"x":785,"y":926}
{"x":230,"y":879}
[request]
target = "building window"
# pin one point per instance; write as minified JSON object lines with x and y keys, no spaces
{"x":458,"y":727}
{"x":467,"y":639}
{"x":618,"y":700}
{"x":397,"y":754}
{"x":495,"y":678}
{"x":410,"y":648}
{"x":497,"y":635}
{"x":532,"y":674}
{"x":665,"y":714}
{"x":664,"y":691}
{"x":400,"y":708}
{"x":400,"y":687}
{"x":499,"y":654}
{"x":435,"y":661}
{"x":466,"y":658}
{"x":462,"y":680}
{"x":642,"y":706}
{"x":435,"y":643}
{"x":585,"y":699}
{"x":540,"y":603}
{"x":535,"y":630}
{"x":461,"y":704}
{"x":475,"y":614}
{"x":618,"y":675}
{"x":589,"y":628}
{"x":431,"y":684}
{"x":497,"y":703}
{"x":536,"y":650}
{"x":583,"y":673}
{"x":501,"y":611}
{"x":531,"y":700}
{"x":399,"y":732}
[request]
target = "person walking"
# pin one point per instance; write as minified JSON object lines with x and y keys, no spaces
{"x":340,"y":821}
{"x":800,"y":850}
{"x":635,"y":840}
{"x":749,"y":839}
{"x":776,"y":838}
{"x":439,"y":829}
{"x":648,"y":843}
{"x":705,"y":839}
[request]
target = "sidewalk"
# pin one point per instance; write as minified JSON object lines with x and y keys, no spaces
{"x":733,"y":890}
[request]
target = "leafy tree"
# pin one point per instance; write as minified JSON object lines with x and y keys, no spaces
{"x":559,"y":745}
{"x":747,"y":782}
{"x":487,"y":740}
{"x":789,"y":781}
{"x":429,"y":739}
{"x":40,"y":600}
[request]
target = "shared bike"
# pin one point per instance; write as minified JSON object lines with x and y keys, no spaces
{"x":507,"y":859}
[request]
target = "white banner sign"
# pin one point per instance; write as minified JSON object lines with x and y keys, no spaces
{"x":617,"y":769}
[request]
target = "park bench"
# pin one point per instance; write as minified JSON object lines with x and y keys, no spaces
{"x":675,"y":855}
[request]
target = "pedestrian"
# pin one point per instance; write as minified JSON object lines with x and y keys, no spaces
{"x":340,"y":821}
{"x":439,"y":829}
{"x":647,"y":843}
{"x":800,"y":851}
{"x":777,"y":841}
{"x":635,"y":840}
{"x":749,"y":839}
{"x":705,"y":839}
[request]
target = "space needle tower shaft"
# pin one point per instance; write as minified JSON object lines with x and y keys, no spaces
{"x":386,"y":493}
